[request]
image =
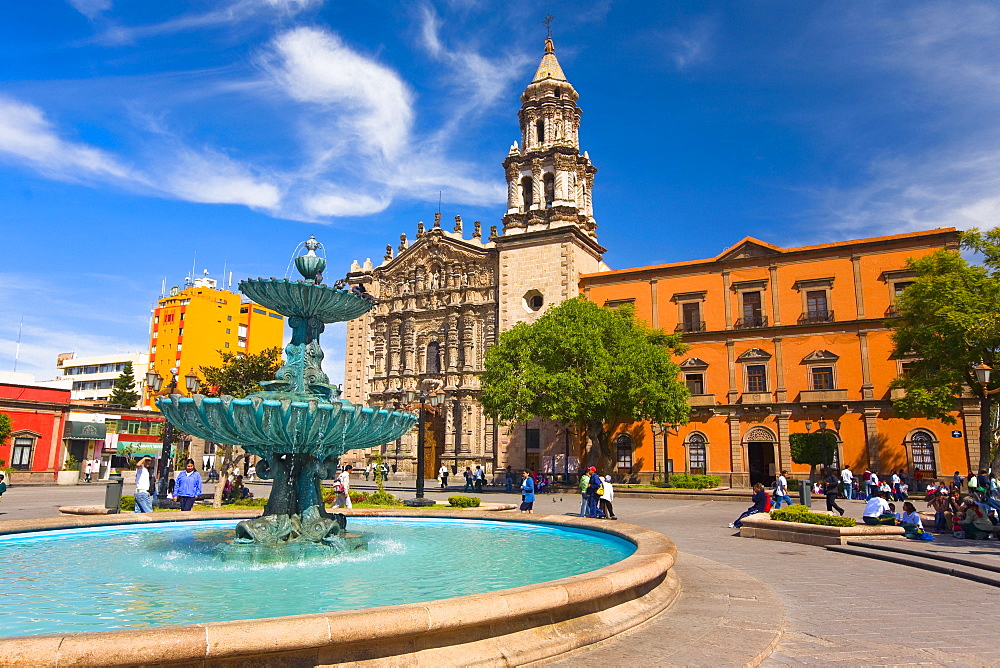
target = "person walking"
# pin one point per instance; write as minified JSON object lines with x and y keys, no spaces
{"x":187,"y":488}
{"x":606,"y":502}
{"x":144,"y":486}
{"x":3,"y":485}
{"x":895,"y":481}
{"x":442,"y":476}
{"x":468,"y":480}
{"x":830,"y":485}
{"x":594,"y":482}
{"x":527,"y":493}
{"x":847,"y":483}
{"x":342,"y":486}
{"x":508,"y":485}
{"x":781,"y":491}
{"x":584,"y":483}
{"x":478,"y":478}
{"x":88,"y":469}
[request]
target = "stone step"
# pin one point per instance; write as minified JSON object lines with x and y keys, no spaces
{"x":913,"y":550}
{"x":923,"y":561}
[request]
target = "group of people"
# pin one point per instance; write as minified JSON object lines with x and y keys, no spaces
{"x":597,"y":495}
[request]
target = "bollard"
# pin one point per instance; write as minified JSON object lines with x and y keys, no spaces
{"x":805,"y":493}
{"x":113,"y":494}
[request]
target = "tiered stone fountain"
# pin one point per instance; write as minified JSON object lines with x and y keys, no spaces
{"x":297,"y":424}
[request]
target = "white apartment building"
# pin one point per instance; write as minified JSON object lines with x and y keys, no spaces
{"x":93,"y":378}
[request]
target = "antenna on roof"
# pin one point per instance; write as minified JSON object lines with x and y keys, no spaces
{"x":194,"y":261}
{"x":439,"y":202}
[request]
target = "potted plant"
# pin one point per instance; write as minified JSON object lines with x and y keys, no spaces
{"x":70,"y":473}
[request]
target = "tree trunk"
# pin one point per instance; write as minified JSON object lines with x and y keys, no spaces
{"x":598,"y":444}
{"x":985,"y":432}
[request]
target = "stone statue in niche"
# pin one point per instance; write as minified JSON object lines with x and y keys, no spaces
{"x":435,"y":280}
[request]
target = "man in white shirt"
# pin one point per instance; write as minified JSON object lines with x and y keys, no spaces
{"x":877,"y":511}
{"x":343,"y":488}
{"x":781,"y":491}
{"x":847,"y":483}
{"x":143,"y":483}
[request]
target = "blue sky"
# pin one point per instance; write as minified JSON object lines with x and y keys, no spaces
{"x":136,"y":135}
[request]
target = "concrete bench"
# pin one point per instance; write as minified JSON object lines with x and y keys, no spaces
{"x":762,"y":526}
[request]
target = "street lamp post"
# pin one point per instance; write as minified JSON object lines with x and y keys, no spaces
{"x":155,"y":382}
{"x":983,"y":372}
{"x":434,"y":398}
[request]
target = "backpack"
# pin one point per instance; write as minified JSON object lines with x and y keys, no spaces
{"x":338,"y":486}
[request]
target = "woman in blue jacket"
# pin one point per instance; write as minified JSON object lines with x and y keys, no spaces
{"x":527,"y":493}
{"x":187,"y":487}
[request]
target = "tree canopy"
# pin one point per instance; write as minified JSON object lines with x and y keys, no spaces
{"x":587,"y":366}
{"x":240,"y":374}
{"x":123,"y":393}
{"x":949,"y":321}
{"x":814,"y":448}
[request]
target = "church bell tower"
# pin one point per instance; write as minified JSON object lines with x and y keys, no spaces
{"x":549,"y":234}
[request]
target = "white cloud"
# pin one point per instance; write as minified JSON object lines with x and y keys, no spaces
{"x":373,"y":103}
{"x":26,"y":134}
{"x":90,"y":8}
{"x":235,"y":12}
{"x":941,"y":58}
{"x":343,"y":203}
{"x":211,"y":177}
{"x":691,"y":45}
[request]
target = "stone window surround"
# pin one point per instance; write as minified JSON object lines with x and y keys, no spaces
{"x":695,"y":365}
{"x":760,"y":285}
{"x":682,"y":298}
{"x":935,"y":448}
{"x":805,"y":286}
{"x":756,"y":356}
{"x":28,"y":434}
{"x":893,"y":276}
{"x":820,"y":358}
{"x":687,"y":451}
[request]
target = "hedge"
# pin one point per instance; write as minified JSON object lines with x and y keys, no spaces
{"x":800,"y":513}
{"x":464,"y":501}
{"x":685,"y":481}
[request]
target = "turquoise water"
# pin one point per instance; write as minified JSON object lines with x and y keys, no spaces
{"x":123,"y":577}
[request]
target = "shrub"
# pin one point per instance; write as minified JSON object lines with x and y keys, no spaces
{"x":380,"y":498}
{"x":358,"y":497}
{"x":799,"y":513}
{"x":685,"y":481}
{"x":464,"y":501}
{"x":252,"y":503}
{"x":127,"y":502}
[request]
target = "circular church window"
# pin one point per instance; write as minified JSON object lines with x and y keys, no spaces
{"x":533,"y":300}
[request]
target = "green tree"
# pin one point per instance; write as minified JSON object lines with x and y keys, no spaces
{"x":815,"y":449}
{"x":6,"y":429}
{"x":950,"y":322}
{"x":240,"y":374}
{"x":123,"y":394}
{"x":589,"y":367}
{"x":237,"y":376}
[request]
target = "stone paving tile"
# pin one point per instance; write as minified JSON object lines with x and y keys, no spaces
{"x":830,"y":600}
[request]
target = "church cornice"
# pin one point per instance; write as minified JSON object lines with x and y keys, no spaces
{"x":546,"y":236}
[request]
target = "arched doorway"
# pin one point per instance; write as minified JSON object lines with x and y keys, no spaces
{"x":760,"y":455}
{"x":433,"y":440}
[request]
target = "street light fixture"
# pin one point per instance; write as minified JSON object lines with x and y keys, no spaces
{"x":434,"y":398}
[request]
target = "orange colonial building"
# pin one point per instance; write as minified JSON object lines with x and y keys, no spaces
{"x":786,"y":340}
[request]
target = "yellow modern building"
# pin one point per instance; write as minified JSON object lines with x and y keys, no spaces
{"x":192,"y":326}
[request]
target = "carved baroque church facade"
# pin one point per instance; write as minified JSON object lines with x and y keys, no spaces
{"x":444,"y":298}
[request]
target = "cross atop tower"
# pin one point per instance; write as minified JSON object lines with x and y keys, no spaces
{"x":548,"y":23}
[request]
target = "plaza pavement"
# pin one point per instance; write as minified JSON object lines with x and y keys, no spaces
{"x":834,"y":609}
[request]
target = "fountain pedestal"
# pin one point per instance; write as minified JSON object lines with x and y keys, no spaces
{"x":297,"y":425}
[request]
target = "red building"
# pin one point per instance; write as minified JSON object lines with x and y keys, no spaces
{"x":38,"y":415}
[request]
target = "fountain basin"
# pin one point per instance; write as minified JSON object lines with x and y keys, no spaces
{"x":516,"y":625}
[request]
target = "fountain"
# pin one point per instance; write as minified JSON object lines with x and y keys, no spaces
{"x":297,"y":424}
{"x":497,"y":588}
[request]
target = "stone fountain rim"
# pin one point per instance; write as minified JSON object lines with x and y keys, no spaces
{"x":515,"y":626}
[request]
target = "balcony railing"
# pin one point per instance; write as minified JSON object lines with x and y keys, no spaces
{"x":698,"y":326}
{"x":815,"y":316}
{"x":751,"y":322}
{"x":892,"y":311}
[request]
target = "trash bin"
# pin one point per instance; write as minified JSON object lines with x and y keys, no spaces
{"x":113,"y":494}
{"x":805,"y":493}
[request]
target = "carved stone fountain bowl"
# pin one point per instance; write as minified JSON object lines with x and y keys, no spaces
{"x":302,"y":299}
